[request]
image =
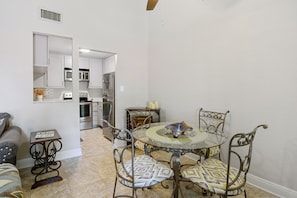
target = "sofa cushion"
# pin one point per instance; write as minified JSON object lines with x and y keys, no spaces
{"x":10,"y":181}
{"x":4,"y":122}
{"x":9,"y":143}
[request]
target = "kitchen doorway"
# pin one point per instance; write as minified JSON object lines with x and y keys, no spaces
{"x":98,"y":87}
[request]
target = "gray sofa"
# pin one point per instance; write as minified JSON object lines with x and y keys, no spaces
{"x":10,"y":138}
{"x":9,"y":144}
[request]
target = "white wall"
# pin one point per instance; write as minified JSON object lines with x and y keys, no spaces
{"x":106,"y":25}
{"x":234,"y":54}
{"x":231,"y":55}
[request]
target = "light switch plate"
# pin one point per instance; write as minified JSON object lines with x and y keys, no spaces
{"x":122,"y":88}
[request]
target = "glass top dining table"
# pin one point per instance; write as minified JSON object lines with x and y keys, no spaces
{"x":159,"y":137}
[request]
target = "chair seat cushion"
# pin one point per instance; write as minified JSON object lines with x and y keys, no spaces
{"x":140,"y":145}
{"x":211,"y":175}
{"x":147,"y":172}
{"x":213,"y":151}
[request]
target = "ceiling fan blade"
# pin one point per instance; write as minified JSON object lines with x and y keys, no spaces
{"x":151,"y":4}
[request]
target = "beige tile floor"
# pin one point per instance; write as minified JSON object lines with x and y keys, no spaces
{"x":92,"y":175}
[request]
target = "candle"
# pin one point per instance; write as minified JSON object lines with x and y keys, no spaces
{"x":156,"y":104}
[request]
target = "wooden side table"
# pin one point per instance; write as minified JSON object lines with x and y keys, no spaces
{"x":141,"y":113}
{"x":43,"y":150}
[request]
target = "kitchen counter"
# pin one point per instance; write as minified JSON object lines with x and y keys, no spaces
{"x":60,"y":99}
{"x":96,"y":99}
{"x":51,"y":101}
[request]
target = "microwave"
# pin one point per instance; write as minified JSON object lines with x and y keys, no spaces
{"x":84,"y":75}
{"x":67,"y":74}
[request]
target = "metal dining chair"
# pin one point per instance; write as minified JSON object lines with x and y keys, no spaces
{"x":138,"y":122}
{"x":212,"y":122}
{"x":220,"y":178}
{"x":135,"y":172}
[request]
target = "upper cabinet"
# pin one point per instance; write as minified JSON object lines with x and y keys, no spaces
{"x":95,"y":73}
{"x":94,"y":66}
{"x":68,"y":61}
{"x":84,"y":63}
{"x":41,"y":51}
{"x":40,"y":59}
{"x":55,"y":72}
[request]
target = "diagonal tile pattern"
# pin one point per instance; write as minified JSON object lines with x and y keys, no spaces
{"x":92,"y":175}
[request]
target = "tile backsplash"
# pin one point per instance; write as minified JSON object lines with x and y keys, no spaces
{"x":55,"y":93}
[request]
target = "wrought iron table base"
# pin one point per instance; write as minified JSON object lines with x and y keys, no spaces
{"x":176,"y":166}
{"x":44,"y":153}
{"x":46,"y":181}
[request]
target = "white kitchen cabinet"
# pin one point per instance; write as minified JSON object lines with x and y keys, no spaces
{"x":84,"y":63}
{"x":95,"y":73}
{"x":68,"y":61}
{"x":41,"y":50}
{"x":100,"y":114}
{"x":55,"y":72}
{"x":95,"y":114}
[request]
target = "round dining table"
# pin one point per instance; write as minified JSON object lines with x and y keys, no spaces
{"x":161,"y":136}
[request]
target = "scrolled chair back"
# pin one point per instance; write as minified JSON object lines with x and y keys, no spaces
{"x":123,"y":153}
{"x":135,"y":172}
{"x":240,"y":155}
{"x":226,"y":179}
{"x":123,"y":150}
{"x":211,"y":121}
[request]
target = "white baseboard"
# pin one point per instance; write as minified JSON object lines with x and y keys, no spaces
{"x":263,"y":184}
{"x":271,"y":187}
{"x":29,"y":162}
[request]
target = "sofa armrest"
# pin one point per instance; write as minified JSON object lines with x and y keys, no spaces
{"x":9,"y":144}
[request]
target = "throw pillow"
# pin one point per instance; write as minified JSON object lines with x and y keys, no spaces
{"x":4,"y":122}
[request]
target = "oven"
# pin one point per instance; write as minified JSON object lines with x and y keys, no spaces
{"x":86,"y":113}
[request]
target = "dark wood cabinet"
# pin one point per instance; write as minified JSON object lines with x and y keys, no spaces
{"x":139,"y":114}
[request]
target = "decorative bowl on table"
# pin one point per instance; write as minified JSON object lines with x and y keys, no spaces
{"x":178,"y":128}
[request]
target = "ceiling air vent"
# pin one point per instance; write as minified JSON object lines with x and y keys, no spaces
{"x":49,"y":15}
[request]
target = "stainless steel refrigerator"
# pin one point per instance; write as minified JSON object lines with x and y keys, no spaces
{"x":108,"y":107}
